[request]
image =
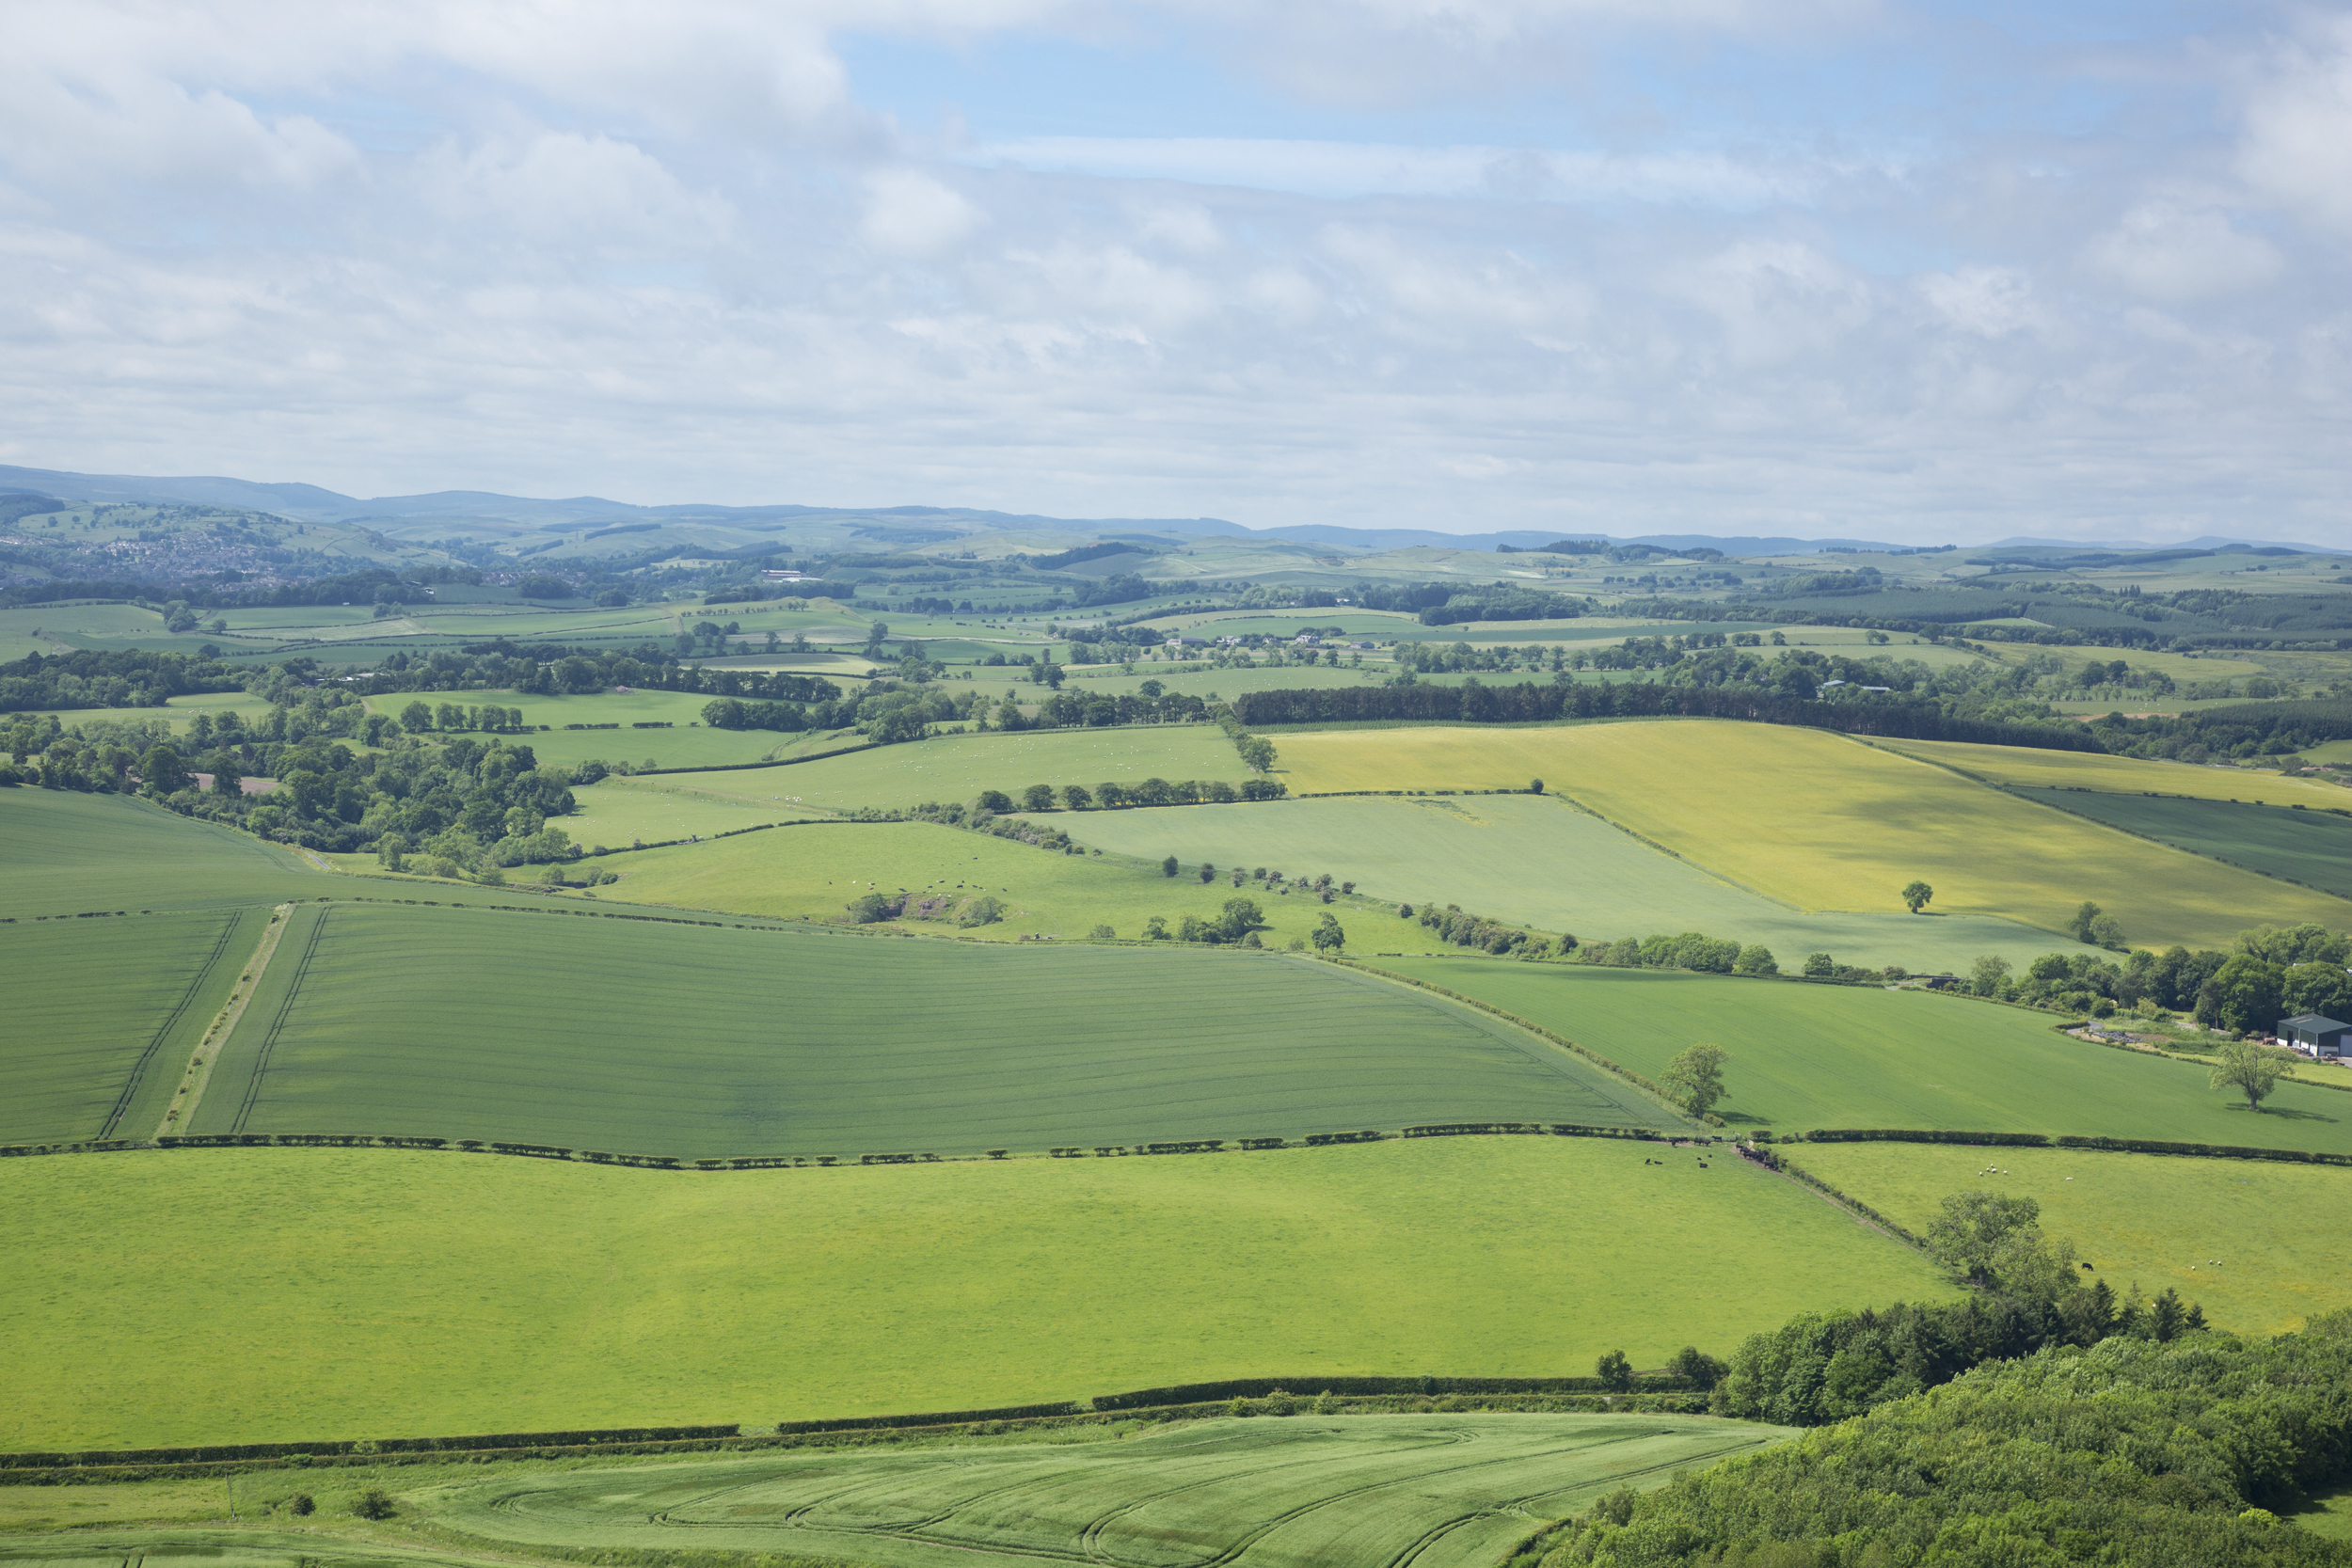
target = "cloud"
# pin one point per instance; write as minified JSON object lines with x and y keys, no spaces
{"x":908,"y":212}
{"x":2164,"y":251}
{"x":2295,"y":147}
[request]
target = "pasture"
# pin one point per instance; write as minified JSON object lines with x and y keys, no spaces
{"x":2029,"y":768}
{"x":1810,"y":1056}
{"x":811,"y":873}
{"x":1533,"y":860}
{"x":383,"y":1293}
{"x":1825,"y":822}
{"x":102,"y":1015}
{"x":2249,"y":1239}
{"x":67,"y":853}
{"x":539,"y":1028}
{"x":1447,"y":1491}
{"x":2313,"y":847}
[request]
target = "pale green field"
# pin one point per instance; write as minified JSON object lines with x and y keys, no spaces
{"x":686,"y":744}
{"x":1530,"y":860}
{"x":813,"y":872}
{"x":2254,"y":1241}
{"x":2018,"y":764}
{"x":1827,"y":823}
{"x":66,"y":854}
{"x":380,"y":1292}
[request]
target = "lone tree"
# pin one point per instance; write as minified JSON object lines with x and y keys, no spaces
{"x":1977,"y":1230}
{"x":1698,"y":1074}
{"x":1328,"y":937}
{"x":1916,"y":896}
{"x":1169,"y":868}
{"x":1615,"y":1370}
{"x":2253,"y":1069}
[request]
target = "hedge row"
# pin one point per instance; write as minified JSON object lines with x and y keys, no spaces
{"x":933,"y":1418}
{"x":1774,"y":1161}
{"x":1313,"y":1384}
{"x":363,"y":1445}
{"x":2067,"y":1140}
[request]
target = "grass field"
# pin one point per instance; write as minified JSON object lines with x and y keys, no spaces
{"x":102,"y":1014}
{"x":686,"y":744}
{"x":1805,"y":1056}
{"x":1531,"y":860}
{"x":2244,"y":1238}
{"x":379,"y":1293}
{"x":2022,"y":765}
{"x":2312,"y":848}
{"x":66,"y":854}
{"x":1442,"y":1491}
{"x":652,"y":809}
{"x":540,"y":1029}
{"x":1825,"y":822}
{"x":813,"y":872}
{"x":959,"y":766}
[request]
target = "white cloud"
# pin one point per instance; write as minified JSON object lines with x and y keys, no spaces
{"x":2296,"y":143}
{"x":2165,"y":251}
{"x":1991,"y":302}
{"x":908,"y":212}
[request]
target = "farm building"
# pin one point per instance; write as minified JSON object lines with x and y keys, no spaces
{"x":2323,"y":1037}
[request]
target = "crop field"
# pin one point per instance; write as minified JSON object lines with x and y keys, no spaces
{"x":1825,"y":822}
{"x":2246,"y":1238}
{"x":68,"y":853}
{"x":2026,"y":766}
{"x":1805,"y":1056}
{"x":618,"y":810}
{"x":1442,"y":1491}
{"x":1530,"y":860}
{"x":2309,"y":846}
{"x":811,"y":873}
{"x":383,"y":1293}
{"x":959,"y":766}
{"x":102,"y":1014}
{"x":539,"y":1029}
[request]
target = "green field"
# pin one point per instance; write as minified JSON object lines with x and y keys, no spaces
{"x":2313,"y":847}
{"x":533,"y":1028}
{"x":2034,"y":769}
{"x":1443,"y":1491}
{"x":277,"y":1295}
{"x":2253,"y":1240}
{"x":1825,"y":822}
{"x":1808,"y":1055}
{"x":686,"y":744}
{"x":1531,"y":860}
{"x":102,"y":1014}
{"x":66,"y":854}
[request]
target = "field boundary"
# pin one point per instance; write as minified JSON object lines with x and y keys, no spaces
{"x":155,"y":1044}
{"x":198,"y":1073}
{"x":276,"y":1024}
{"x":2095,"y":1143}
{"x":2034,"y":793}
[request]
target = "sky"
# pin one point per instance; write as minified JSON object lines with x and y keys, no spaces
{"x":1910,"y":270}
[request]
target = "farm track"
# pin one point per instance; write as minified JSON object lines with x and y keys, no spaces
{"x":278,"y":1023}
{"x":199,"y":1070}
{"x":162,"y":1031}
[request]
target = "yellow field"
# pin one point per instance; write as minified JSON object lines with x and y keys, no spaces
{"x":1826,"y":823}
{"x":2018,"y":764}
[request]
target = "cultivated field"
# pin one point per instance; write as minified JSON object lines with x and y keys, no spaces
{"x":813,"y":872}
{"x":2249,"y":1239}
{"x":2023,"y":764}
{"x":618,"y":810}
{"x":1825,"y":822}
{"x":380,"y":1292}
{"x":1808,"y":1055}
{"x":1530,"y":860}
{"x":636,"y":1036}
{"x":1442,"y":1491}
{"x":66,"y":854}
{"x":2313,"y":847}
{"x":102,"y":1015}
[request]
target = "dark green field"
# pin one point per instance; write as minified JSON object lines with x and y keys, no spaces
{"x":66,"y":854}
{"x":638,"y":1036}
{"x":1808,"y":1055}
{"x":2313,"y":847}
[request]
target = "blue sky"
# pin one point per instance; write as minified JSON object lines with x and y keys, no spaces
{"x":1922,"y":271}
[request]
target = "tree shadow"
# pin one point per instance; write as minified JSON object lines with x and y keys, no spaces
{"x":2285,"y":1112}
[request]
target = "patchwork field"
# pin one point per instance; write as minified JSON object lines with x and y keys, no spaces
{"x":633,"y":1037}
{"x":812,"y":873}
{"x":1825,"y":822}
{"x":1805,"y":1057}
{"x":1533,"y":860}
{"x":102,"y":1014}
{"x":66,"y":854}
{"x":2023,"y":764}
{"x":2243,"y":1237}
{"x":618,"y":810}
{"x":372,"y":1292}
{"x":2313,"y":847}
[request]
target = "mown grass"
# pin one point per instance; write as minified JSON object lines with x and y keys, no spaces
{"x":1810,"y":1056}
{"x":66,"y":854}
{"x":292,"y":1294}
{"x":1826,"y":823}
{"x":2309,"y":846}
{"x":688,"y":743}
{"x":2021,"y":765}
{"x":626,"y":1035}
{"x":102,"y":1014}
{"x":1531,"y":860}
{"x":2252,"y":1240}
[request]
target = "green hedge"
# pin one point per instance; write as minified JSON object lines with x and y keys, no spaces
{"x":931,"y":1418}
{"x":2045,"y":1140}
{"x":1313,"y":1384}
{"x":360,"y":1446}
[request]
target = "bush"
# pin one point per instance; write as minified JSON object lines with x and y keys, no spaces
{"x":373,"y":1502}
{"x":987,"y":910}
{"x":301,"y":1504}
{"x":1102,"y":933}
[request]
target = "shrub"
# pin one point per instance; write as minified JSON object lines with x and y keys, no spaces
{"x":987,"y":910}
{"x":373,"y":1502}
{"x":301,"y":1503}
{"x":1101,"y":933}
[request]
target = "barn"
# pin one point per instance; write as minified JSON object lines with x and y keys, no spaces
{"x":2323,"y":1037}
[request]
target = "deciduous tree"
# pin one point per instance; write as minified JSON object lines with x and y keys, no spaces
{"x":1698,"y":1074}
{"x":2251,"y":1068}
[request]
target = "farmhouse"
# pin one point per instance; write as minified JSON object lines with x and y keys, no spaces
{"x":2323,"y":1038}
